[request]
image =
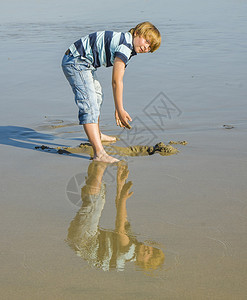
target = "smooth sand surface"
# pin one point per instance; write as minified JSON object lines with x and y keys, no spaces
{"x":188,"y":211}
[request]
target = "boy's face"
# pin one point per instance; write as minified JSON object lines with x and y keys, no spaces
{"x":145,"y":253}
{"x":141,"y":45}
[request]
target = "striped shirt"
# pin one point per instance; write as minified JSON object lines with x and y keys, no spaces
{"x":100,"y":48}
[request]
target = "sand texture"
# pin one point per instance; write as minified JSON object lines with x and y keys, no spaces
{"x":86,"y":148}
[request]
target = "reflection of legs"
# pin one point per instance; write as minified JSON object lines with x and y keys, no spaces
{"x":95,"y":174}
{"x":93,"y":134}
{"x":83,"y":229}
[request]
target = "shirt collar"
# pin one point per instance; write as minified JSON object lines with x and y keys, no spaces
{"x":133,"y":53}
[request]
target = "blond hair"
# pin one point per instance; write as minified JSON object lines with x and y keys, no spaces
{"x":155,"y":261}
{"x":148,"y":31}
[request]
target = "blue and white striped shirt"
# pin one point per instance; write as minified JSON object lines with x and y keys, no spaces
{"x":101,"y":47}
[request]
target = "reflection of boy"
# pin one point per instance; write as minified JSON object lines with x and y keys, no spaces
{"x":103,"y":248}
{"x":104,"y":48}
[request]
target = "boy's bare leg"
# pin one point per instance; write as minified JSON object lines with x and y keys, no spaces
{"x":107,"y":138}
{"x":93,"y":134}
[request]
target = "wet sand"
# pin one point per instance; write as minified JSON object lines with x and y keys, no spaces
{"x":73,"y":230}
{"x":191,"y":206}
{"x":138,"y":150}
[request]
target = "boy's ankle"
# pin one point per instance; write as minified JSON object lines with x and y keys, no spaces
{"x":99,"y":154}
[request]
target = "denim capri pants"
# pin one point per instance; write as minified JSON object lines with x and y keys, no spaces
{"x":86,"y":88}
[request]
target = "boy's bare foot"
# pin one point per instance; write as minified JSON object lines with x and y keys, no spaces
{"x":104,"y":157}
{"x":108,"y":138}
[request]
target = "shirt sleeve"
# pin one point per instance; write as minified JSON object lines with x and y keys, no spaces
{"x":123,"y":52}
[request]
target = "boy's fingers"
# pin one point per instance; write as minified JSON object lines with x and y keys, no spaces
{"x":119,"y":123}
{"x":128,"y":117}
{"x":124,"y":123}
{"x":127,"y":125}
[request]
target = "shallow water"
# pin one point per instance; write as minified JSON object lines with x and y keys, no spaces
{"x":182,"y":233}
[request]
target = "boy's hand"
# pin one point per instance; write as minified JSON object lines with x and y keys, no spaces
{"x":122,"y":119}
{"x":125,"y":192}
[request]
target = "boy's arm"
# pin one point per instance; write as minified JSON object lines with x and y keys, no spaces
{"x":122,"y":117}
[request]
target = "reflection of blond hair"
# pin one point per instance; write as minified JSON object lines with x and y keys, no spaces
{"x":148,"y":31}
{"x":155,"y":261}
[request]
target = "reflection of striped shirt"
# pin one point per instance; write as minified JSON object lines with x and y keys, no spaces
{"x":101,"y":48}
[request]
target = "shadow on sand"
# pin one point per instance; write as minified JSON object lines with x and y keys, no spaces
{"x":27,"y":138}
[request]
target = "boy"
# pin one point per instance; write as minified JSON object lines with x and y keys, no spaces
{"x":105,"y":48}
